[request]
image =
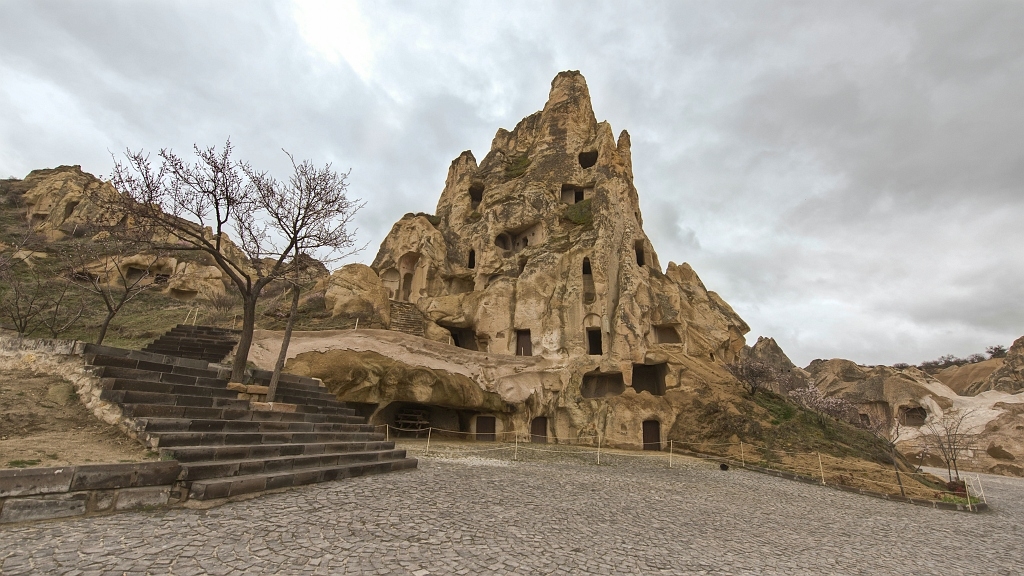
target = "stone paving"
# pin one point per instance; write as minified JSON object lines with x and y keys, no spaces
{"x":473,"y":515}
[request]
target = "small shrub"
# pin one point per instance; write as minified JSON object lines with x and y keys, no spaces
{"x":23,"y":463}
{"x":580,"y":213}
{"x":516,"y":166}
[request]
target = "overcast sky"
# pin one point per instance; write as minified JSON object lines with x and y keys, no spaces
{"x":849,"y":176}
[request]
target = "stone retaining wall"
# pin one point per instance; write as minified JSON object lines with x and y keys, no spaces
{"x":31,"y":494}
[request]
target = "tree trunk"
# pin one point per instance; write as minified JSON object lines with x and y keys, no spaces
{"x":896,"y":466}
{"x":283,"y":355}
{"x":103,"y":327}
{"x":245,"y":338}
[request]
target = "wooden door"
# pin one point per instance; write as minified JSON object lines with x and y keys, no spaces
{"x":485,"y":428}
{"x":539,"y":430}
{"x":652,"y":435}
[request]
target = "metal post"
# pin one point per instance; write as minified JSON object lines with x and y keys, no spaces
{"x":967,"y":492}
{"x":670,"y":453}
{"x":428,"y":440}
{"x":743,"y":459}
{"x":387,"y":432}
{"x":598,"y":448}
{"x":357,"y":323}
{"x":516,"y":456}
{"x":821,"y":469}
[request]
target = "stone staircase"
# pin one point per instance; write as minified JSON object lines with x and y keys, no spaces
{"x":183,"y":408}
{"x":405,"y":317}
{"x":196,"y":342}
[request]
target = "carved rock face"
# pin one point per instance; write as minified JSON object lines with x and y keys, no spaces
{"x":539,"y":250}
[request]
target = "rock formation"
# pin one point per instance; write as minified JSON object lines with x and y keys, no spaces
{"x":1008,"y":377}
{"x":66,"y":202}
{"x":917,"y":400}
{"x":539,"y":252}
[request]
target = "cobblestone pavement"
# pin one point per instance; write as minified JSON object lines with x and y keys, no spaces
{"x":479,"y":516}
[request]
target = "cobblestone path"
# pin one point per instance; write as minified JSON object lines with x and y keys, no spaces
{"x":476,"y":516}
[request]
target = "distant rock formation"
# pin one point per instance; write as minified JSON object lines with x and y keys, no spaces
{"x":66,"y":202}
{"x":1009,"y":377}
{"x":916,"y":400}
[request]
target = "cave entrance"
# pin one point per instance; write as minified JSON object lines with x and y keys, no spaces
{"x":539,"y":430}
{"x":69,"y":209}
{"x":913,"y":416}
{"x":589,"y":293}
{"x":652,"y":434}
{"x":462,"y":337}
{"x":406,"y":286}
{"x":476,"y":194}
{"x":602,"y":384}
{"x":485,"y":428}
{"x":414,"y":419}
{"x":650,"y":378}
{"x":594,"y":342}
{"x":588,"y":158}
{"x":524,"y":346}
{"x":638,"y":247}
{"x":472,"y":260}
{"x":666,"y":334}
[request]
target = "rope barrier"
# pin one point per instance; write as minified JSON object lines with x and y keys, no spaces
{"x":835,"y":474}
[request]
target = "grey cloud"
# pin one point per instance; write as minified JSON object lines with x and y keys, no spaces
{"x":845,"y":174}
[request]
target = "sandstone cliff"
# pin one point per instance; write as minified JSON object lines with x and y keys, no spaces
{"x":538,"y":252}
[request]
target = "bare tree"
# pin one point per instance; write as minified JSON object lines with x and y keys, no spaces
{"x":888,"y":430}
{"x":65,"y":309}
{"x":23,"y":298}
{"x":112,"y":269}
{"x":951,"y":436}
{"x":311,"y":211}
{"x":753,"y":374}
{"x":195,"y":206}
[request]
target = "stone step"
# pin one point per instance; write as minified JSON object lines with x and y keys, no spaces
{"x":183,"y":372}
{"x":170,"y":411}
{"x":160,"y":425}
{"x":192,"y":471}
{"x":162,"y":366}
{"x":235,"y":485}
{"x":262,"y":451}
{"x":174,"y":439}
{"x":137,"y":397}
{"x":167,"y":388}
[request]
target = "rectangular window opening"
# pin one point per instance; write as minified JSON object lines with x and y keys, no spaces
{"x":594,"y":342}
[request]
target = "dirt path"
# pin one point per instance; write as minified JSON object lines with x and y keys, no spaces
{"x":42,"y":423}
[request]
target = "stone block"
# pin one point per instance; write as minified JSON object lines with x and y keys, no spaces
{"x":43,"y":508}
{"x":103,"y":476}
{"x":103,"y":500}
{"x":133,"y":498}
{"x":272,"y":407}
{"x":236,"y":386}
{"x":257,"y":389}
{"x":30,"y":481}
{"x":157,"y":473}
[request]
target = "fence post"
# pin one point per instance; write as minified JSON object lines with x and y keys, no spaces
{"x":743,"y":459}
{"x":357,"y":323}
{"x":598,"y":448}
{"x":428,"y":441}
{"x":821,"y":469}
{"x":669,"y":453}
{"x":967,"y":492}
{"x":516,"y":456}
{"x":387,"y":432}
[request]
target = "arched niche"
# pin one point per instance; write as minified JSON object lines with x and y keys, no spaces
{"x":392,"y":281}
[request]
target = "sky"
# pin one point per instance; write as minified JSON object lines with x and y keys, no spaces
{"x":849,"y":176}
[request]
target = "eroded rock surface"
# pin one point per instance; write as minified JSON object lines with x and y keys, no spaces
{"x":536,"y":264}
